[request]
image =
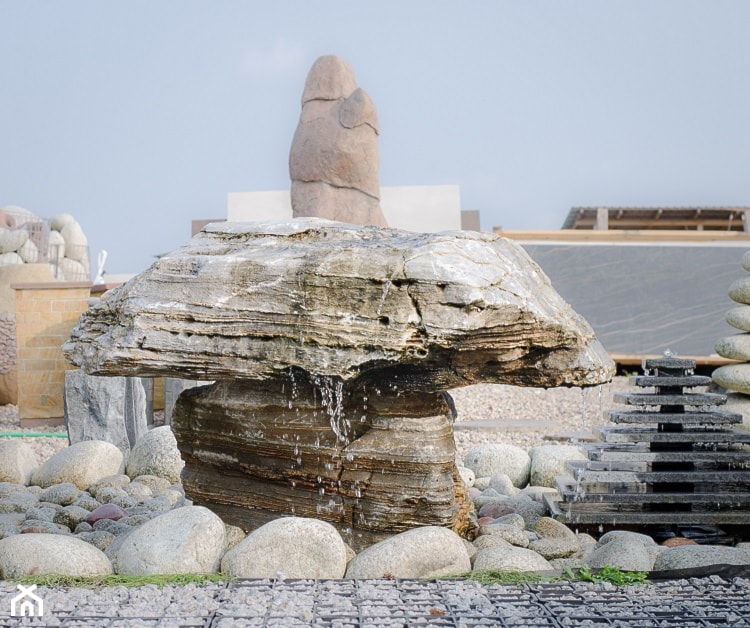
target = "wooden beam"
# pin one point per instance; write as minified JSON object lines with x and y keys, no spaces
{"x":622,"y":235}
{"x":700,"y":360}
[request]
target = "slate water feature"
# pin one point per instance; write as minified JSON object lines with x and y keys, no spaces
{"x":673,"y":459}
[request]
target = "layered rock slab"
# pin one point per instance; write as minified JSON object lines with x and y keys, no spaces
{"x":251,"y":300}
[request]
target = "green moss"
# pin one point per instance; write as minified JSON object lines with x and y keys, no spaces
{"x":58,"y":580}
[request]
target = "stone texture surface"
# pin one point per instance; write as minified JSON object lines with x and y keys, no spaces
{"x":735,"y":347}
{"x":372,"y":466}
{"x":17,"y":462}
{"x":435,"y":310}
{"x":488,"y":460}
{"x":105,"y":408}
{"x":687,"y":556}
{"x":184,"y":540}
{"x":739,"y":290}
{"x":502,"y":558}
{"x":81,"y":464}
{"x":548,"y":461}
{"x":333,"y":162}
{"x":296,"y":547}
{"x":739,"y":317}
{"x":425,"y":552}
{"x":624,"y":552}
{"x":734,"y":377}
{"x":41,"y":554}
{"x":156,"y":454}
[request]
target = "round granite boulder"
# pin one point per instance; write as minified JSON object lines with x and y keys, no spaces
{"x":156,"y":453}
{"x":426,"y":552}
{"x":41,"y":554}
{"x":17,"y":462}
{"x":81,"y":464}
{"x":296,"y":547}
{"x":488,"y":460}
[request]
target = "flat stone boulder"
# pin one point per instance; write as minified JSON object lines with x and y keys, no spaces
{"x":156,"y":453}
{"x":41,"y":554}
{"x":297,"y":547}
{"x":735,"y":347}
{"x":733,"y":377}
{"x":739,"y":317}
{"x":502,"y":558}
{"x":426,"y":552}
{"x":252,"y":300}
{"x":689,"y":556}
{"x":489,"y":460}
{"x":548,"y":461}
{"x":184,"y":540}
{"x":81,"y":464}
{"x":17,"y":462}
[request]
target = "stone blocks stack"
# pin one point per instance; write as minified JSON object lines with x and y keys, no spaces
{"x":736,"y":377}
{"x":27,"y":239}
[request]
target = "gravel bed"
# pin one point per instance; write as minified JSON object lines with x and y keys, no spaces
{"x":43,"y":447}
{"x":358,"y":603}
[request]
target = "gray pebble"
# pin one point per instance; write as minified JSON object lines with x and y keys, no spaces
{"x":47,"y":526}
{"x":64,"y":493}
{"x":71,"y":516}
{"x":98,"y":538}
{"x":84,"y":526}
{"x":86,"y":500}
{"x":43,"y":513}
{"x":115,"y":527}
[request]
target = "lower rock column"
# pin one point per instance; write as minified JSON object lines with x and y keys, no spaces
{"x":311,"y":447}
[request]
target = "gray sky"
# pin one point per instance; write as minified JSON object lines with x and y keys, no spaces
{"x":138,"y":116}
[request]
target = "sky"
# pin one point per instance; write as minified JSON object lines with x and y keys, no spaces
{"x":137,"y":117}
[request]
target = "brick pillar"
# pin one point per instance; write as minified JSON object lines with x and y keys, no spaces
{"x":45,"y":315}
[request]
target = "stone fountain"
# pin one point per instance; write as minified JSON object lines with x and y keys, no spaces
{"x":332,"y":348}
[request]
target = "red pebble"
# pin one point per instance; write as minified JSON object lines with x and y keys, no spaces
{"x":677,"y":541}
{"x":106,"y":511}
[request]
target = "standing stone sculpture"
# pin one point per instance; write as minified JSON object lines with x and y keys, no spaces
{"x":331,"y":347}
{"x":333,"y":161}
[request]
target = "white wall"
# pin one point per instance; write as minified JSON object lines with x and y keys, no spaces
{"x":426,"y":208}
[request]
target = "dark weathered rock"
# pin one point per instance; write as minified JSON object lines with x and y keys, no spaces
{"x":251,"y":300}
{"x":370,"y":465}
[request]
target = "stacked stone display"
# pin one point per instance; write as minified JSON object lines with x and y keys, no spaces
{"x":27,"y":239}
{"x":736,"y":377}
{"x":663,"y":463}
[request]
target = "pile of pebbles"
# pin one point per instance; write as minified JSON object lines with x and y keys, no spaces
{"x":79,"y":514}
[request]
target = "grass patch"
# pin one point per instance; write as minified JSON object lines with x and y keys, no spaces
{"x":493,"y":576}
{"x":115,"y":580}
{"x":612,"y":575}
